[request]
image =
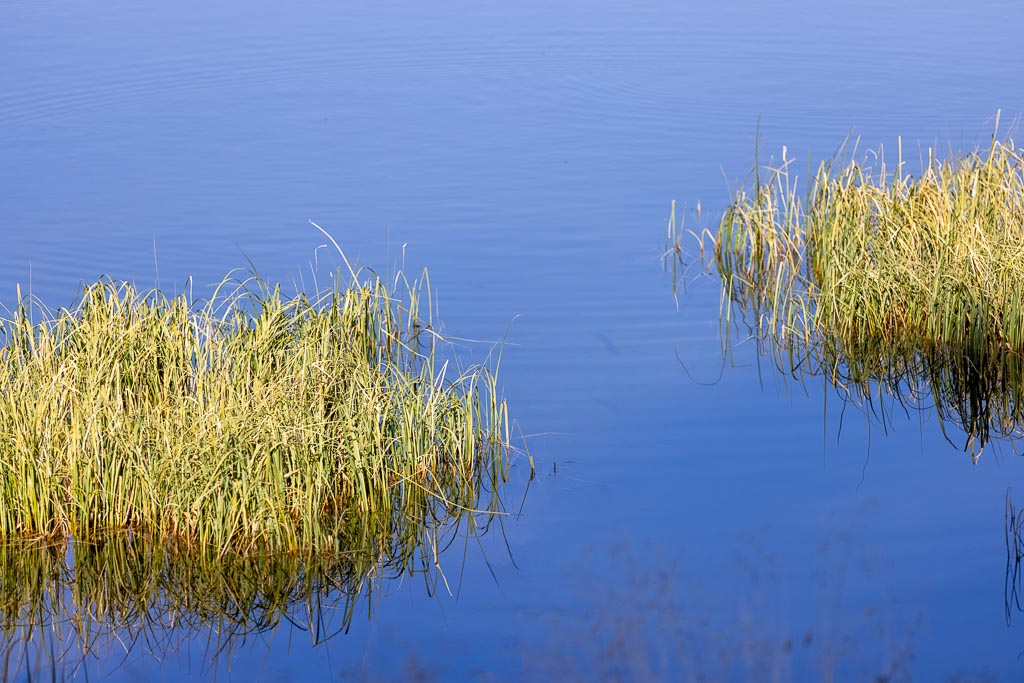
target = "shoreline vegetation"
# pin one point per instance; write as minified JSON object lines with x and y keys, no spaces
{"x":886,"y":284}
{"x":248,"y":422}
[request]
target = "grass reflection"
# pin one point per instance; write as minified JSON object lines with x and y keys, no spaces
{"x":66,"y":604}
{"x":1014,"y":581}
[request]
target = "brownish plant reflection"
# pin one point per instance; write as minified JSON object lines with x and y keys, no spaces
{"x":63,"y":605}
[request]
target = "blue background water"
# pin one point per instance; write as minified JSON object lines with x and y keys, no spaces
{"x":527,"y":153}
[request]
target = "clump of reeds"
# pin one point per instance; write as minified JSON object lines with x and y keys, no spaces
{"x":251,"y":420}
{"x":881,"y":279}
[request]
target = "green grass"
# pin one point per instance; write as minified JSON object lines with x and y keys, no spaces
{"x":886,"y":282}
{"x":251,"y":421}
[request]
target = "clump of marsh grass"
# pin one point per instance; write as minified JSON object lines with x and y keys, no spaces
{"x":248,"y":421}
{"x":884,"y":281}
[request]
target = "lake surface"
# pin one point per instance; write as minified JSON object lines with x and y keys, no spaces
{"x":527,"y":154}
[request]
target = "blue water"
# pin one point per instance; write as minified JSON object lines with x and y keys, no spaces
{"x":527,"y":154}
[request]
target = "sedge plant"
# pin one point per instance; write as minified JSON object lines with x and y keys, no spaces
{"x":248,"y":421}
{"x":886,"y":282}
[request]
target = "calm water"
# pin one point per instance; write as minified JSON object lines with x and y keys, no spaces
{"x":527,"y":153}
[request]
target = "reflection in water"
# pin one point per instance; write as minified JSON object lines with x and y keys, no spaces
{"x":62,"y":605}
{"x":897,"y":290}
{"x":657,"y":620}
{"x":1014,"y":582}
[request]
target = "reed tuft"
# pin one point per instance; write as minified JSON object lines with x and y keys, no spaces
{"x":248,"y":421}
{"x":885,"y":281}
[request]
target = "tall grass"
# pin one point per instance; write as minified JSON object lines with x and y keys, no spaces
{"x":888,"y":282}
{"x":248,"y":421}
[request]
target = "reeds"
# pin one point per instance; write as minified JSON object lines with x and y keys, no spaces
{"x":250,"y":421}
{"x":885,"y":281}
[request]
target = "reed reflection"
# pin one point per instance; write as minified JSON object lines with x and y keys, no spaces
{"x":69,"y":607}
